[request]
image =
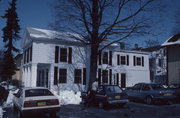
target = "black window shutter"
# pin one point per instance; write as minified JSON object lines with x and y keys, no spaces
{"x":55,"y":75}
{"x":31,"y":53}
{"x":127,"y":59}
{"x":70,"y":56}
{"x":99,"y":76}
{"x":100,"y":58}
{"x":134,"y":59}
{"x":24,"y":57}
{"x":84,"y":76}
{"x":56,"y":54}
{"x":27,"y":55}
{"x":142,"y":61}
{"x":118,"y":59}
{"x":117,"y":78}
{"x":110,"y":57}
{"x":110,"y":76}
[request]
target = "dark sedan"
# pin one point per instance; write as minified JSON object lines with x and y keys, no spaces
{"x":176,"y":89}
{"x":110,"y":95}
{"x":150,"y":93}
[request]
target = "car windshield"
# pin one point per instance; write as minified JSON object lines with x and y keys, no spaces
{"x":157,"y":86}
{"x":37,"y":92}
{"x":113,"y":89}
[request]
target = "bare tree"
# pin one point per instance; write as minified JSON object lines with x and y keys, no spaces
{"x":151,"y":43}
{"x":176,"y":28}
{"x":100,"y":21}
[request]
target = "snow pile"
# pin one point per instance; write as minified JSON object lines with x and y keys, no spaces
{"x":8,"y":102}
{"x":1,"y":112}
{"x":69,"y":97}
{"x":65,"y":97}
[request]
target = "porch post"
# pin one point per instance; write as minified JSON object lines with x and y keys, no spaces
{"x":33,"y":75}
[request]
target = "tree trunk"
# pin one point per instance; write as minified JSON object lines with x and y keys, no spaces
{"x":93,"y":64}
{"x":94,"y":43}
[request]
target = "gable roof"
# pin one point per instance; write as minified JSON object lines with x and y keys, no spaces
{"x":37,"y":33}
{"x":174,"y":40}
{"x":43,"y":34}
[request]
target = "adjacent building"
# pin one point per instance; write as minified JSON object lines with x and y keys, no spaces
{"x":55,"y":60}
{"x":157,"y":64}
{"x":173,"y":58}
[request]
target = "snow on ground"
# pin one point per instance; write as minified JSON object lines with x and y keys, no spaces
{"x":65,"y":97}
{"x":8,"y":102}
{"x":68,"y":97}
{"x":1,"y":112}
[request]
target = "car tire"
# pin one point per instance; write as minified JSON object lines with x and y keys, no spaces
{"x":149,"y":100}
{"x":20,"y":114}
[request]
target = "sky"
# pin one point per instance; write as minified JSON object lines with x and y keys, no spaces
{"x":39,"y":13}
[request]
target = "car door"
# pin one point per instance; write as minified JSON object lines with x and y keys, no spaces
{"x":146,"y":90}
{"x":135,"y":91}
{"x":100,"y":95}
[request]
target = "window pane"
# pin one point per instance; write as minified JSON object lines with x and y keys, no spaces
{"x":123,"y":60}
{"x":105,"y":58}
{"x":63,"y":55}
{"x":62,"y":75}
{"x":105,"y":76}
{"x":138,"y":61}
{"x":77,"y":76}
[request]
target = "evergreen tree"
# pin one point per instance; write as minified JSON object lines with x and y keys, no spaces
{"x":10,"y":35}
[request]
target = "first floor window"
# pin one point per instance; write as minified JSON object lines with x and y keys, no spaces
{"x":105,"y":76}
{"x":77,"y":75}
{"x":62,"y":75}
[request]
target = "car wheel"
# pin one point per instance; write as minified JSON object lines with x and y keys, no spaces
{"x":149,"y":100}
{"x":20,"y":114}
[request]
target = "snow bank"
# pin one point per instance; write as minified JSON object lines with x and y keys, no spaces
{"x":1,"y":112}
{"x":69,"y":97}
{"x":65,"y":97}
{"x":8,"y":102}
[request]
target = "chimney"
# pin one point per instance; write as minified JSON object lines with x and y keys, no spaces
{"x":136,"y":46}
{"x":122,"y":45}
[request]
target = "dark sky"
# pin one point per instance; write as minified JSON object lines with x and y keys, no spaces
{"x":38,"y":13}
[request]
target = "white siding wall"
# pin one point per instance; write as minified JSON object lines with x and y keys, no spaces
{"x":44,"y":53}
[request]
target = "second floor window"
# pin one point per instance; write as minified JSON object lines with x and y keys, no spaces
{"x":123,"y":60}
{"x":138,"y":61}
{"x":63,"y":55}
{"x":105,"y":58}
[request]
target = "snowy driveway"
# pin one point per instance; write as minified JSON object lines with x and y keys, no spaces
{"x":132,"y":110}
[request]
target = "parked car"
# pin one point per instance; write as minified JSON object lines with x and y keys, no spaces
{"x":35,"y":100}
{"x":108,"y":95}
{"x":176,"y":89}
{"x":150,"y":93}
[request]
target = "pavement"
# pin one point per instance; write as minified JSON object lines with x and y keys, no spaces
{"x":131,"y":110}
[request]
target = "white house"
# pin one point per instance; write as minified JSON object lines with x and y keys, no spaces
{"x":54,"y":60}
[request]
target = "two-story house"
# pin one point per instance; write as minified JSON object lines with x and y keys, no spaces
{"x":54,"y":60}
